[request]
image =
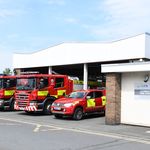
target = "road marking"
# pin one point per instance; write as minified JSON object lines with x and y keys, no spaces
{"x":8,"y":124}
{"x":32,"y":123}
{"x":147,"y":131}
{"x":106,"y":134}
{"x":37,"y":128}
{"x":114,"y":135}
{"x":50,"y":129}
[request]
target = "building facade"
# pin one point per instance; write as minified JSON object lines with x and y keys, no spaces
{"x":125,"y":63}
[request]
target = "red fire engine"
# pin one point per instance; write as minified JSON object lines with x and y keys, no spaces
{"x":36,"y":92}
{"x":79,"y":103}
{"x":7,"y":90}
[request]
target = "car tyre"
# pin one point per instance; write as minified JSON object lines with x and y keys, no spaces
{"x":78,"y":114}
{"x":58,"y":116}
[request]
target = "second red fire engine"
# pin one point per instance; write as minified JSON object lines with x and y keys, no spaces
{"x":36,"y":92}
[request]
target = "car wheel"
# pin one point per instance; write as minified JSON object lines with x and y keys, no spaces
{"x":58,"y":116}
{"x":78,"y":114}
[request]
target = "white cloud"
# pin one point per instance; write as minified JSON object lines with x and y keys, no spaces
{"x":71,"y":20}
{"x":5,"y":55}
{"x":123,"y":18}
{"x":13,"y":36}
{"x":4,"y":13}
{"x":56,"y":2}
{"x":127,"y":9}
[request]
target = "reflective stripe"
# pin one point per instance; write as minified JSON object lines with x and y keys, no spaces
{"x":30,"y":108}
{"x":42,"y":93}
{"x":9,"y":92}
{"x":61,"y":92}
{"x":103,"y":100}
{"x":90,"y":102}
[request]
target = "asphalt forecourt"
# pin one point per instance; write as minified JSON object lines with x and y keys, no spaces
{"x":21,"y":131}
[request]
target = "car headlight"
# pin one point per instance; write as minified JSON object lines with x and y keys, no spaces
{"x":1,"y":101}
{"x":55,"y":104}
{"x":68,"y":104}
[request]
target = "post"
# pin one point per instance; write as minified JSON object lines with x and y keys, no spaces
{"x":85,"y":77}
{"x":113,"y":96}
{"x":50,"y":70}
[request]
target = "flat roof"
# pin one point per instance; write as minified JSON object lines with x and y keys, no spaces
{"x":77,"y":53}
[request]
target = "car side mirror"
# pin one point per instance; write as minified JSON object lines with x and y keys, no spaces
{"x":88,"y":97}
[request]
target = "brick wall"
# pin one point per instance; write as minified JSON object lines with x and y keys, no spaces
{"x":113,"y":94}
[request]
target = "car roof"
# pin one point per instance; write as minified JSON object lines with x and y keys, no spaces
{"x":89,"y":90}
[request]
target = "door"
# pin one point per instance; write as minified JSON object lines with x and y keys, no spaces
{"x":98,"y":100}
{"x":90,"y":99}
{"x":59,"y":87}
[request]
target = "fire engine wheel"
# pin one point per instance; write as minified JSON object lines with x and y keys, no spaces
{"x":78,"y":114}
{"x":12,"y":105}
{"x":29,"y":112}
{"x":47,"y":108}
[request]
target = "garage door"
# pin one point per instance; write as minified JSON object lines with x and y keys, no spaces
{"x":135,"y":99}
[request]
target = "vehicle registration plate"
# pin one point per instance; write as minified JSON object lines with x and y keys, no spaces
{"x":21,"y":108}
{"x":57,"y":108}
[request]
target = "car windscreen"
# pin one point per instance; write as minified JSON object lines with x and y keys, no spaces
{"x":26,"y":84}
{"x":77,"y":94}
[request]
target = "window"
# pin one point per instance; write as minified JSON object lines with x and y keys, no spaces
{"x":59,"y":82}
{"x":98,"y":94}
{"x":91,"y":94}
{"x":26,"y":83}
{"x":8,"y":83}
{"x":12,"y":82}
{"x":43,"y":82}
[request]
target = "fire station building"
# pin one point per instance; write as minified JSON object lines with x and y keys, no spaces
{"x":123,"y":64}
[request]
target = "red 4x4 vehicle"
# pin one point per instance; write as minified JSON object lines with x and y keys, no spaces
{"x":78,"y":103}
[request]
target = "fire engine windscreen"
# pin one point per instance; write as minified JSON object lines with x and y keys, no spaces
{"x":7,"y":83}
{"x":26,"y":84}
{"x":1,"y":83}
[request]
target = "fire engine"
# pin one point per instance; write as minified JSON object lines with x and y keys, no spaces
{"x":7,"y":90}
{"x":79,"y":103}
{"x":36,"y":92}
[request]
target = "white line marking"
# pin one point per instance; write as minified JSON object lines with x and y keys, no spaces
{"x":37,"y":128}
{"x":8,"y":124}
{"x":50,"y":130}
{"x":114,"y":135}
{"x":111,"y":135}
{"x":147,"y":131}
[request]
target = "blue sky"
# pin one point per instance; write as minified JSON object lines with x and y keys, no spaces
{"x":32,"y":25}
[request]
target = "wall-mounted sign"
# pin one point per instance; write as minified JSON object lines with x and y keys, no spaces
{"x":142,"y":89}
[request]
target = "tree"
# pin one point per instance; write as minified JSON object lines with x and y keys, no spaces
{"x":7,"y":71}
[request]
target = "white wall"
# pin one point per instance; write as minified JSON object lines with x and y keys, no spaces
{"x":147,"y":45}
{"x":126,"y":67}
{"x":75,"y":53}
{"x":135,"y":109}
